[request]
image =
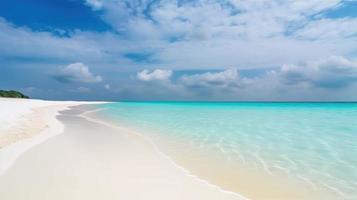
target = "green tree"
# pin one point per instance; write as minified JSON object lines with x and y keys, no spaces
{"x":12,"y":94}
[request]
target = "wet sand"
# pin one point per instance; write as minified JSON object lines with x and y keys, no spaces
{"x":91,"y":160}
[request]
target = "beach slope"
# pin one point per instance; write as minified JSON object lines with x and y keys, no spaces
{"x":89,"y":159}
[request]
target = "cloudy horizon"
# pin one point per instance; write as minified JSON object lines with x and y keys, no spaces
{"x":195,"y":50}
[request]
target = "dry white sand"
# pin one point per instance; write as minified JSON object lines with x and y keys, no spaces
{"x":25,"y":123}
{"x":91,"y":160}
{"x":14,"y":112}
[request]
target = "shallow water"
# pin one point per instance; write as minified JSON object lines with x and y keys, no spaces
{"x":313,"y":142}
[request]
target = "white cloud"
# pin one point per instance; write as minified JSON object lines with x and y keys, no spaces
{"x":309,"y":81}
{"x":203,"y":35}
{"x":95,"y":4}
{"x":219,"y":84}
{"x":229,"y":77}
{"x":329,"y":29}
{"x":208,"y":34}
{"x":23,"y":43}
{"x":245,"y":34}
{"x":333,"y":72}
{"x":212,"y":18}
{"x":77,"y":72}
{"x":157,"y":74}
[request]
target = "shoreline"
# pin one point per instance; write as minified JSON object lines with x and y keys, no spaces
{"x":161,"y":153}
{"x":247,"y":182}
{"x":238,"y":181}
{"x":80,"y":157}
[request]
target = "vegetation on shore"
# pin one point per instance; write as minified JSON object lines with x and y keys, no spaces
{"x":12,"y":94}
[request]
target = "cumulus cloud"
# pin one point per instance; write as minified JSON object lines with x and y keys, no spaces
{"x":198,"y":34}
{"x":244,"y":34}
{"x":208,"y":34}
{"x":95,"y":4}
{"x":226,"y":78}
{"x":155,"y":75}
{"x":333,"y":72}
{"x":77,"y":72}
{"x":204,"y":19}
{"x":312,"y":80}
{"x":188,"y":85}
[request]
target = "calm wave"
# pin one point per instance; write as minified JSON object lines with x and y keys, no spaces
{"x":316,"y":142}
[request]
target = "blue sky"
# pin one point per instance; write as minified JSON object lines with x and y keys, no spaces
{"x":270,"y":50}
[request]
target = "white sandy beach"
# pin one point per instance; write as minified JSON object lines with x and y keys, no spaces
{"x":45,"y":155}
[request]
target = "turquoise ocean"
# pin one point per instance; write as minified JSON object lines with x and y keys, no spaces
{"x":312,"y":142}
